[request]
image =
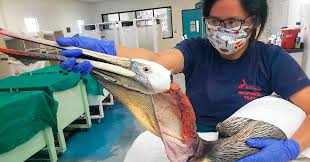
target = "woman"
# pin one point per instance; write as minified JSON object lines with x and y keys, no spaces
{"x":225,"y":71}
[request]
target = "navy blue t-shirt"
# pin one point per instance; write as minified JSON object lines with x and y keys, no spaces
{"x":218,"y":87}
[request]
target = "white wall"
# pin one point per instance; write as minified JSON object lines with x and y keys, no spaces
{"x":51,"y":14}
{"x":284,"y":13}
{"x":277,"y":17}
{"x":295,"y":11}
{"x":110,"y":6}
{"x":2,"y":21}
{"x":279,"y":12}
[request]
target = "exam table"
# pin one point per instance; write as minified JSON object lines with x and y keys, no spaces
{"x":26,"y":127}
{"x":65,"y":87}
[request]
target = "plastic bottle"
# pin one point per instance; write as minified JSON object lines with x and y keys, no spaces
{"x":298,"y":25}
{"x":298,"y":41}
{"x":300,"y":37}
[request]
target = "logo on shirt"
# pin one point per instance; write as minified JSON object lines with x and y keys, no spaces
{"x":249,"y":92}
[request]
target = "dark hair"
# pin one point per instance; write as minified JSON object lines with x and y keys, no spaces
{"x":256,"y":8}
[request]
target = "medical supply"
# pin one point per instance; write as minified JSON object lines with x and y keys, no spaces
{"x":289,"y":38}
{"x":278,"y":39}
{"x":298,"y":41}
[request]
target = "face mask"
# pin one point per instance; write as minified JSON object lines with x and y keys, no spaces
{"x":227,"y":41}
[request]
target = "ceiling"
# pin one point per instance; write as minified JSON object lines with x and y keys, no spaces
{"x":91,"y":1}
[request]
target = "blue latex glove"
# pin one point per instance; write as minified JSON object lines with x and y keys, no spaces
{"x":272,"y":150}
{"x":103,"y":46}
{"x":83,"y":68}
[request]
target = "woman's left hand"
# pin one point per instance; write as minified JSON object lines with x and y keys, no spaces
{"x":272,"y":150}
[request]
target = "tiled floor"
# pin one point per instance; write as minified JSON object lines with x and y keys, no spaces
{"x":121,"y":147}
{"x":104,"y":142}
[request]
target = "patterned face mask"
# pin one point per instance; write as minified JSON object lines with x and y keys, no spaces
{"x":227,"y":41}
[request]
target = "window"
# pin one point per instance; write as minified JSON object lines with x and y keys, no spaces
{"x":127,"y":16}
{"x":145,"y":14}
{"x":165,"y":16}
{"x":111,"y":17}
{"x":32,"y":25}
{"x":80,"y":24}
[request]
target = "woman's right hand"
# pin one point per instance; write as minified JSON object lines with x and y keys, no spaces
{"x":84,"y":68}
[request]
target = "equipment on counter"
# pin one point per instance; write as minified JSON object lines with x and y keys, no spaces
{"x":102,"y":31}
{"x":149,"y":33}
{"x":138,"y":33}
{"x":91,"y":30}
{"x":109,"y":31}
{"x":289,"y":38}
{"x":128,"y":34}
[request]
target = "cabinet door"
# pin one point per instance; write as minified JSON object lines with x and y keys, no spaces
{"x":192,"y":23}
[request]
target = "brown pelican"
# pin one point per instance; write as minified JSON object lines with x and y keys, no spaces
{"x":145,"y":88}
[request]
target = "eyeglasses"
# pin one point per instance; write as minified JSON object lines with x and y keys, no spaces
{"x":231,"y":24}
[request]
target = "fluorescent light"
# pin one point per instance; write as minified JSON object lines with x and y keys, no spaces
{"x":32,"y":25}
{"x":80,"y":24}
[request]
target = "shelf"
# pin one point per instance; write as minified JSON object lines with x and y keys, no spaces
{"x":295,"y":50}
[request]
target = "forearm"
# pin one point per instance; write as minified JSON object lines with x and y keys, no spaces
{"x":136,"y":53}
{"x":171,"y":59}
{"x":302,"y":136}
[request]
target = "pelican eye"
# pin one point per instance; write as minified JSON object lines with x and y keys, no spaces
{"x":146,"y":69}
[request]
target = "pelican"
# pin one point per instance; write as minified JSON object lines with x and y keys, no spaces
{"x":147,"y":90}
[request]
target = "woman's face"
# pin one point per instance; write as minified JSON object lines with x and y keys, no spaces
{"x":231,"y":9}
